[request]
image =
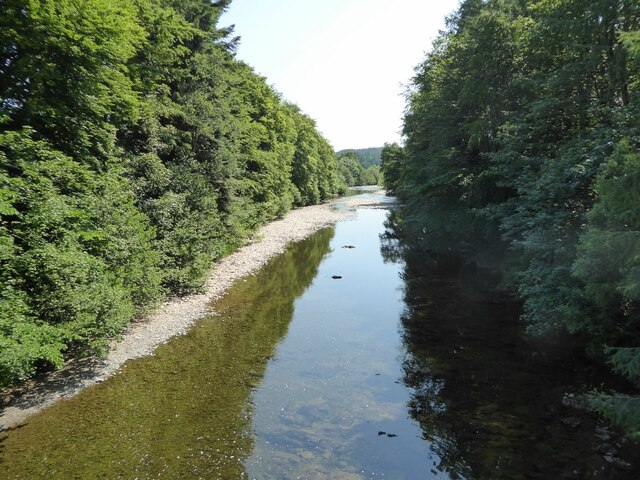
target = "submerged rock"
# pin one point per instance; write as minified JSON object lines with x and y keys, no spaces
{"x":617,"y":462}
{"x":572,"y":422}
{"x":603,"y":433}
{"x":571,"y":400}
{"x":607,"y":449}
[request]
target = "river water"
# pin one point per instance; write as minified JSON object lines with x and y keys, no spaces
{"x":397,"y":369}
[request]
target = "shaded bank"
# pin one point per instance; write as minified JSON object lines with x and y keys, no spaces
{"x":495,"y":402}
{"x":521,"y":152}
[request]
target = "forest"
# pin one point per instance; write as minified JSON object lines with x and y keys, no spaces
{"x":352,"y":172}
{"x":522,"y":156}
{"x":135,"y":150}
{"x":366,"y":156}
{"x":358,"y":167}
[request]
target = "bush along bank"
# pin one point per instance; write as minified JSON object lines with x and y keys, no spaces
{"x":522,"y":154}
{"x":135,"y":150}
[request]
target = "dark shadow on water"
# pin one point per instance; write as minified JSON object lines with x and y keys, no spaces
{"x":489,"y":398}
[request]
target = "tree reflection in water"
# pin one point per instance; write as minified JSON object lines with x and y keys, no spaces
{"x":488,"y":397}
{"x":184,"y":412}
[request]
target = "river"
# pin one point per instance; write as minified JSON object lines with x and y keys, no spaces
{"x":343,"y":358}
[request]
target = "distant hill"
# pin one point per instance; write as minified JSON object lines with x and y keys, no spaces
{"x":366,"y":156}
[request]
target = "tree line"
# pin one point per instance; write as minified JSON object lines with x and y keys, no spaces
{"x":351,"y":172}
{"x":522,"y":153}
{"x":366,"y":156}
{"x":135,"y":150}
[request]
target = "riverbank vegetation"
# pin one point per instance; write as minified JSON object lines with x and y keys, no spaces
{"x":135,"y":150}
{"x":522,"y":154}
{"x":366,"y":156}
{"x":352,"y":173}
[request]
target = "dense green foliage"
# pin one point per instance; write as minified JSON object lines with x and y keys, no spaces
{"x":352,"y":173}
{"x":134,"y":151}
{"x":392,"y":166}
{"x":522,"y":150}
{"x":366,"y":156}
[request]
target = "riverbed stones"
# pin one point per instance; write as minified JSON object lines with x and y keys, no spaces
{"x":607,"y":449}
{"x":577,"y":402}
{"x":603,"y":434}
{"x":617,"y":462}
{"x":572,"y":422}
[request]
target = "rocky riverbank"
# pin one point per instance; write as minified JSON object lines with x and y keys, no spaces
{"x":176,"y":315}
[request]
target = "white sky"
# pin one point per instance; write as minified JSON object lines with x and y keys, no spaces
{"x":344,"y":62}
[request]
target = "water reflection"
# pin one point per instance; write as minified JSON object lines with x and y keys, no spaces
{"x":332,"y":404}
{"x":406,"y":366}
{"x":488,"y":399}
{"x":186,"y":411}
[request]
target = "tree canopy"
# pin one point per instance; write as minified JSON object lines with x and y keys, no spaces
{"x":352,"y":173}
{"x":135,"y":150}
{"x":522,"y":148}
{"x":366,"y":156}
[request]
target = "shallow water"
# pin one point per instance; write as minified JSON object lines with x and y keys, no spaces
{"x":391,"y":371}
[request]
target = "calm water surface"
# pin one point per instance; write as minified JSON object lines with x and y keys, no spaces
{"x":392,"y":371}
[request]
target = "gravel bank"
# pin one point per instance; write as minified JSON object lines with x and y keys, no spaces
{"x":176,"y":315}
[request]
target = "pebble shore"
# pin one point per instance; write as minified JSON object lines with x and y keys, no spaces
{"x":175,"y":316}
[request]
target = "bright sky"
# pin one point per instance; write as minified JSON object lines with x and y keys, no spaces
{"x":345,"y":63}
